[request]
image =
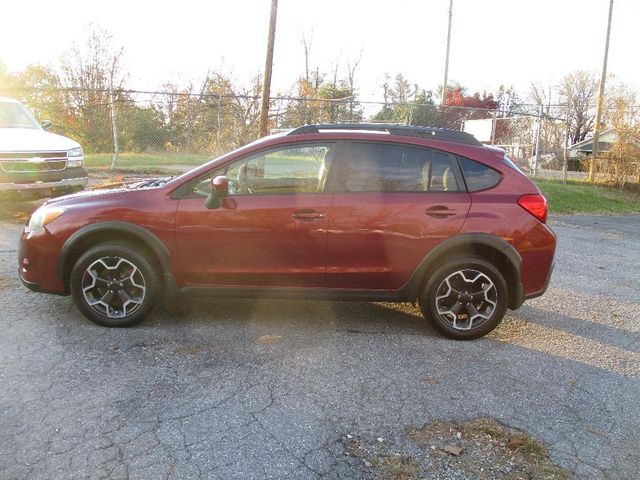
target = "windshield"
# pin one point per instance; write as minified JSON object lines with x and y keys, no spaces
{"x":15,"y":115}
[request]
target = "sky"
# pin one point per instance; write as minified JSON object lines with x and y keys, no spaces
{"x":510,"y":42}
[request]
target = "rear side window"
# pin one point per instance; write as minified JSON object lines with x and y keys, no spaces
{"x":376,"y":167}
{"x":478,"y":176}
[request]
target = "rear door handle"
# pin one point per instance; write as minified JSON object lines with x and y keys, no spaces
{"x":439,"y":211}
{"x":307,"y":215}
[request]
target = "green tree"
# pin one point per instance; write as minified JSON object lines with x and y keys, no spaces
{"x":406,"y":103}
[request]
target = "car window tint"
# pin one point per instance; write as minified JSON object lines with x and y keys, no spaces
{"x":375,"y":167}
{"x":442,"y":178}
{"x":478,"y":176}
{"x":287,"y":170}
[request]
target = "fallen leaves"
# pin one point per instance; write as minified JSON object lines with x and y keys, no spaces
{"x":269,"y":339}
{"x":515,"y":442}
{"x":452,"y":449}
{"x":115,"y":181}
{"x":482,"y":448}
{"x":20,"y":217}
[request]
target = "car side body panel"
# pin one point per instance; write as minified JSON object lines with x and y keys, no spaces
{"x":496,"y":211}
{"x":101,"y":217}
{"x":254,"y":240}
{"x":376,"y":241}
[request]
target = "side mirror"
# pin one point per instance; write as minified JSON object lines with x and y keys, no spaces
{"x":219,"y":191}
{"x":46,"y":124}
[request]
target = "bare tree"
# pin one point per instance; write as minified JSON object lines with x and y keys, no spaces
{"x":623,"y":160}
{"x":508,"y":101}
{"x":579,"y":91}
{"x":89,"y":73}
{"x":336,"y":68}
{"x":541,"y":95}
{"x":352,"y":67}
{"x":551,"y":130}
{"x":306,"y":44}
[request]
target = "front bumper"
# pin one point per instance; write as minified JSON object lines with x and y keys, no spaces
{"x":43,"y":181}
{"x":41,"y":185}
{"x":34,"y":287}
{"x":37,"y":256}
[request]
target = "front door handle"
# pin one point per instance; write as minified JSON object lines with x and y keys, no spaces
{"x":307,"y":215}
{"x":439,"y":211}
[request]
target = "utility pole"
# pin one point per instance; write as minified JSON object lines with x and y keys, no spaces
{"x":446,"y":61}
{"x":603,"y":78}
{"x":268,"y":66}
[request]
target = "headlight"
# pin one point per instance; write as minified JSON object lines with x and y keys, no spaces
{"x":75,"y":163}
{"x":76,"y":158}
{"x":43,"y":216}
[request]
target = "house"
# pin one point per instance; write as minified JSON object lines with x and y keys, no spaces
{"x":584,"y":148}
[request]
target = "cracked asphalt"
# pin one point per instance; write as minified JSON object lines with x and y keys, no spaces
{"x":270,"y":389}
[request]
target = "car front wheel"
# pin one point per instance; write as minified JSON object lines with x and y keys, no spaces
{"x":115,"y":285}
{"x":465,"y":298}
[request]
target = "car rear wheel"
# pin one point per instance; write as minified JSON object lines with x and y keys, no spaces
{"x":114,"y":285}
{"x":465,"y":298}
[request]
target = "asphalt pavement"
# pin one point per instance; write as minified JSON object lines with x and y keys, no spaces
{"x":271,"y":389}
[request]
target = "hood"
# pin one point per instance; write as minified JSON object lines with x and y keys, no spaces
{"x":33,"y":140}
{"x":86,"y":195}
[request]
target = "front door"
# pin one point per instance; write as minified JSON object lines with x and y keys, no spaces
{"x":271,"y":229}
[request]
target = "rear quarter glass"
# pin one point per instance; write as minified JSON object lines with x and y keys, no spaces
{"x":478,"y":176}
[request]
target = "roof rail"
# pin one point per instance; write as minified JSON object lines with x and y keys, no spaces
{"x":435,"y":133}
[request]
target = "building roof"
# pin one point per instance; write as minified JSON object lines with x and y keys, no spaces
{"x":606,"y":139}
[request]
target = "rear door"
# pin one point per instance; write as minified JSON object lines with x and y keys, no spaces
{"x":392,"y":205}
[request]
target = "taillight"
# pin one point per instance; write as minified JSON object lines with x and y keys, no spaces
{"x":536,"y":205}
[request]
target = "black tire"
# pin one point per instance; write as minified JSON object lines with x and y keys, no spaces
{"x":142,"y":287}
{"x":436,"y":286}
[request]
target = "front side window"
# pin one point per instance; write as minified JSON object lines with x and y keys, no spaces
{"x":287,"y":170}
{"x":376,"y":167}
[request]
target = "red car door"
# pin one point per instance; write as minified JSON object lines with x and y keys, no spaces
{"x":393,"y":204}
{"x":271,"y":230}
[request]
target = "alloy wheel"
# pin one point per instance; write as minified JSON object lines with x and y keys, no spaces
{"x":466,"y":299}
{"x":113,"y":287}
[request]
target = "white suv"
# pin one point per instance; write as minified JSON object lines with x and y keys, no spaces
{"x":33,"y":160}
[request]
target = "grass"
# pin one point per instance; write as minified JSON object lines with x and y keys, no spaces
{"x":582,"y":197}
{"x":146,"y":162}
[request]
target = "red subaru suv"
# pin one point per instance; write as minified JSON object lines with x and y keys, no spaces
{"x":338,"y":211}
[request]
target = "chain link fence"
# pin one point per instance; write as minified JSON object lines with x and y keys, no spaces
{"x":134,"y":129}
